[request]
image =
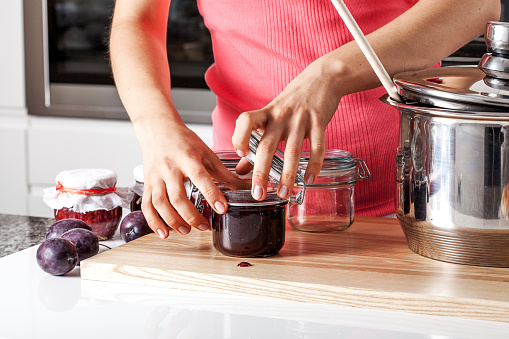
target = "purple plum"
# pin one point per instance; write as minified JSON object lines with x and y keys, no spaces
{"x":86,"y":242}
{"x":133,"y":226}
{"x":64,"y":225}
{"x":57,"y":256}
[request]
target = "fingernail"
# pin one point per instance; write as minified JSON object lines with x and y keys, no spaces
{"x":184,"y":229}
{"x":203,"y":227}
{"x":160,"y":233}
{"x":241,"y":153}
{"x":310,"y":179}
{"x":283,"y":191}
{"x":219,"y":206}
{"x":258,"y":192}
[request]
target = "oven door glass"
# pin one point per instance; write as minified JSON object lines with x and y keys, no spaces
{"x":68,"y":69}
{"x":78,"y":42}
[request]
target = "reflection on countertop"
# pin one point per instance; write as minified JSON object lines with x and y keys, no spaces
{"x":18,"y":232}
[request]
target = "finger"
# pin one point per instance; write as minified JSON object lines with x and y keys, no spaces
{"x":161,"y":203}
{"x":291,"y":163}
{"x":243,"y":167}
{"x":218,"y":170}
{"x":316,"y":154}
{"x":150,"y":214}
{"x":263,"y":161}
{"x":201,"y":178}
{"x":244,"y":125}
{"x":185,"y":208}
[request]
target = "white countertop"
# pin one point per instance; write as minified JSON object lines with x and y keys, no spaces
{"x":34,"y":304}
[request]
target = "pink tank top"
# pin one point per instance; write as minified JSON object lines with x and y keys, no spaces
{"x":261,"y":45}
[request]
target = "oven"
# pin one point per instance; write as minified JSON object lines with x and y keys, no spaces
{"x":67,"y":68}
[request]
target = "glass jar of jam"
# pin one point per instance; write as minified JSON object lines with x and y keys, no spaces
{"x":328,"y":205}
{"x":137,"y":188}
{"x":90,"y":195}
{"x":249,"y":228}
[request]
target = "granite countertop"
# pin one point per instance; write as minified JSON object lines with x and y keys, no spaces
{"x":18,"y":232}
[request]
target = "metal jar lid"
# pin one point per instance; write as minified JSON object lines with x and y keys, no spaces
{"x":229,"y":158}
{"x":238,"y":194}
{"x":339,"y":164}
{"x":484,"y":88}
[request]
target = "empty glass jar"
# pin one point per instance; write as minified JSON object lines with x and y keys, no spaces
{"x":328,"y":204}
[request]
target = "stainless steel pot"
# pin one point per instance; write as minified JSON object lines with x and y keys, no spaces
{"x":452,"y":168}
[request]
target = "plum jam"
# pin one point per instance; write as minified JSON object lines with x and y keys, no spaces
{"x":104,"y":223}
{"x":249,"y":228}
{"x":244,"y":264}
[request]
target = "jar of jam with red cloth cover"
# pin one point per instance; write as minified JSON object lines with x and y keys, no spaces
{"x":90,"y":195}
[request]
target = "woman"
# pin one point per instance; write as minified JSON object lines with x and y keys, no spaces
{"x":289,"y":69}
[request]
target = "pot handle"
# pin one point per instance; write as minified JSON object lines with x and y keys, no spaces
{"x":400,"y":166}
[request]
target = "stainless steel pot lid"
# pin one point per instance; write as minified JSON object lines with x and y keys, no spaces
{"x":445,"y":112}
{"x":457,"y":88}
{"x":484,"y":88}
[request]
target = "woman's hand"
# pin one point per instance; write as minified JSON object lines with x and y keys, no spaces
{"x":301,"y":111}
{"x":304,"y":108}
{"x":172,"y":154}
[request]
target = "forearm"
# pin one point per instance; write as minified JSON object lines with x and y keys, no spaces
{"x":140,"y":63}
{"x":418,"y":39}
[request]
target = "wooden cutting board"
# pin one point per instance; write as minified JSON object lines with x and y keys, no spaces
{"x":369,"y":265}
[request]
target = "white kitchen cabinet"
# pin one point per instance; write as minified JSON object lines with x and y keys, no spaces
{"x":13,"y":122}
{"x":13,"y":178}
{"x":12,"y":67}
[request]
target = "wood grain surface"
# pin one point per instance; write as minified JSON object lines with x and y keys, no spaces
{"x":369,"y":266}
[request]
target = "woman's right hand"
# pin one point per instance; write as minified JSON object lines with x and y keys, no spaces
{"x":172,"y":153}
